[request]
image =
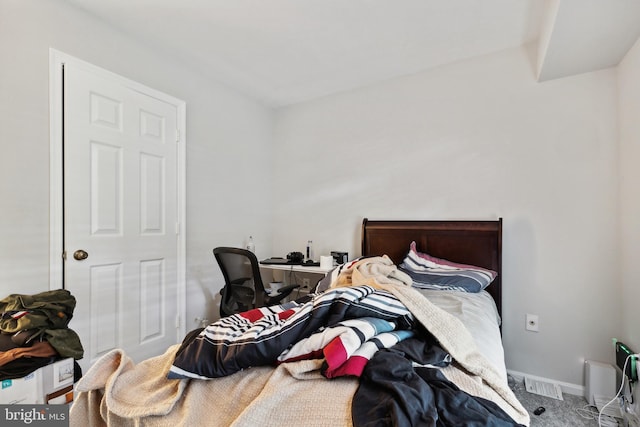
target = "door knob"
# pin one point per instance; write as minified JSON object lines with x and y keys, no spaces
{"x":80,"y":255}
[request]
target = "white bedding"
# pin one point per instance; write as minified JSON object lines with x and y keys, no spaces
{"x":479,"y":314}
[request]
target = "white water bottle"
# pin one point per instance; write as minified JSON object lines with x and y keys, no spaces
{"x":250,"y":245}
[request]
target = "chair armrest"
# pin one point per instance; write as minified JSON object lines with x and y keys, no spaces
{"x":280,"y":294}
{"x":286,"y":289}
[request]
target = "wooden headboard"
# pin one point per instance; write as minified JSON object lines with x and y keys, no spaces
{"x":468,"y":242}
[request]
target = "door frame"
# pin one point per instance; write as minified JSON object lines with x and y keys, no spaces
{"x":57,"y":60}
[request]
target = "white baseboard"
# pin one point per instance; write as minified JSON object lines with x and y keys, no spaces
{"x":574,"y":389}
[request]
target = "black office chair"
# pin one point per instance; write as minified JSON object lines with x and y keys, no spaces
{"x":243,"y":289}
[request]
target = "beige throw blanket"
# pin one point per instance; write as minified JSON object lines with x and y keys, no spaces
{"x":117,"y":392}
{"x":374,"y":271}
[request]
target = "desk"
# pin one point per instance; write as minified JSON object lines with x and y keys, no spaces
{"x":297,"y":268}
{"x":292,"y":269}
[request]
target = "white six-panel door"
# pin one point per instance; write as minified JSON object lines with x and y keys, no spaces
{"x":121,"y":215}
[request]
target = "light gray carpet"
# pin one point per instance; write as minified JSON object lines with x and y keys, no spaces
{"x":558,"y":413}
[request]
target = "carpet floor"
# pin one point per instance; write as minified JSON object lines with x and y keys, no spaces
{"x":573,"y":411}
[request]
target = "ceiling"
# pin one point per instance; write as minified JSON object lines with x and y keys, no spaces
{"x":286,"y":51}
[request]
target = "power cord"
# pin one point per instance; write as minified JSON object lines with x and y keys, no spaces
{"x":590,"y":412}
{"x":622,"y":383}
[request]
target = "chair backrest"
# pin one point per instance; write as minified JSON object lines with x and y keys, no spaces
{"x":243,"y":288}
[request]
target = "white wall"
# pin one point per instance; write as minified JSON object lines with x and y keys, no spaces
{"x":228,"y":134}
{"x":478,"y":139}
{"x":629,"y":108}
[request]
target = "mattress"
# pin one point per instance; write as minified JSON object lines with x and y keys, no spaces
{"x":477,"y":311}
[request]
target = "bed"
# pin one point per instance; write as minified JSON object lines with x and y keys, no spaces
{"x":177,"y":388}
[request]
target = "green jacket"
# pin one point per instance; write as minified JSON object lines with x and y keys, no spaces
{"x":49,"y":311}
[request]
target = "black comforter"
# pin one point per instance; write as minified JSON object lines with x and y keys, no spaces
{"x":393,"y":392}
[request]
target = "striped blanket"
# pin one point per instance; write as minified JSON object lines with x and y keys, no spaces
{"x":345,"y":326}
{"x":348,"y":346}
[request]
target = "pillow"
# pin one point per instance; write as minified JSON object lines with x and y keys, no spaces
{"x":429,"y":272}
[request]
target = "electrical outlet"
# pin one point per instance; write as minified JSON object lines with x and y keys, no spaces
{"x":306,"y":282}
{"x":532,"y":323}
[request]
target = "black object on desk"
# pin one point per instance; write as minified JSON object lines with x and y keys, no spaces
{"x":283,"y":261}
{"x":280,"y":261}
